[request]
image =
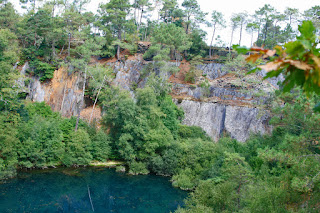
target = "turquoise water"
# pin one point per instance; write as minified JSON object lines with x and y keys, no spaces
{"x":66,"y":190}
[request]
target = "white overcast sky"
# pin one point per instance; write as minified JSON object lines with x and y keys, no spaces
{"x":228,"y":7}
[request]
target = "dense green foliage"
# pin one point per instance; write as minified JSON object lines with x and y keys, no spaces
{"x":270,"y":173}
{"x":36,"y":137}
{"x":273,"y":173}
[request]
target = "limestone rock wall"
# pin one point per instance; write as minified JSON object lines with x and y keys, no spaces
{"x":63,"y":93}
{"x":212,"y":70}
{"x":226,"y":108}
{"x":216,"y":119}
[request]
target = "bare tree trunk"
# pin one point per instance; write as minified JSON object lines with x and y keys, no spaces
{"x":265,"y":33}
{"x":118,"y":48}
{"x":53,"y":50}
{"x":259,"y":30}
{"x":145,"y":34}
{"x":69,"y":44}
{"x":240,"y":35}
{"x":188,"y":23}
{"x":81,"y":104}
{"x":61,"y":50}
{"x":140,"y":18}
{"x":214,"y":30}
{"x":53,"y":8}
{"x":251,"y":38}
{"x":95,"y":102}
{"x":135,"y":12}
{"x":290,"y":21}
{"x":137,"y":19}
{"x":231,"y":41}
{"x":90,"y":199}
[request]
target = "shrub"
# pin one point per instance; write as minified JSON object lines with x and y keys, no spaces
{"x":42,"y":69}
{"x":136,"y":168}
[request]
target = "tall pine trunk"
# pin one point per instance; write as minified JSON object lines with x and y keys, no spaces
{"x":118,"y":48}
{"x":141,"y":14}
{"x":69,"y":44}
{"x":265,"y":34}
{"x":231,"y":40}
{"x":259,"y":30}
{"x":95,"y":102}
{"x":240,"y":35}
{"x":214,"y":31}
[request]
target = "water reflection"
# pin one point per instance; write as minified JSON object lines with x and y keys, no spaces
{"x":64,"y":190}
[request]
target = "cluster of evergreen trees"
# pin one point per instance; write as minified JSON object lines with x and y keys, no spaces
{"x":49,"y":27}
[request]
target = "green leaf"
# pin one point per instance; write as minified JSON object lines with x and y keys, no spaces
{"x":294,"y":48}
{"x":273,"y":74}
{"x":288,"y":84}
{"x":307,"y":29}
{"x":307,"y":44}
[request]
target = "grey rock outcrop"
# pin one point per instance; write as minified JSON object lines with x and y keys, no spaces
{"x":20,"y":83}
{"x":36,"y":91}
{"x":225,"y":108}
{"x":127,"y":73}
{"x":63,"y":93}
{"x":130,"y":73}
{"x":212,"y":70}
{"x":216,"y":119}
{"x":274,"y":80}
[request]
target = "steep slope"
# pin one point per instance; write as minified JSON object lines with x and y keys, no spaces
{"x":227,"y":105}
{"x":63,"y":92}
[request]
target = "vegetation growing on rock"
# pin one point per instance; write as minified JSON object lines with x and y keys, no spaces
{"x":271,"y":173}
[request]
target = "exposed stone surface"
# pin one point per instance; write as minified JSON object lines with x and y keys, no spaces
{"x":212,"y":70}
{"x":36,"y":91}
{"x":21,"y":80}
{"x":63,"y":93}
{"x":127,"y":73}
{"x":274,"y":80}
{"x":215,"y":119}
{"x":227,"y":105}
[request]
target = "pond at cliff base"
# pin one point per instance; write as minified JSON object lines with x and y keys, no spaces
{"x":66,"y":190}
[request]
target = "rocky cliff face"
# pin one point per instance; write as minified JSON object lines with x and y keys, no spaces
{"x":227,"y":106}
{"x":63,"y":93}
{"x":219,"y":119}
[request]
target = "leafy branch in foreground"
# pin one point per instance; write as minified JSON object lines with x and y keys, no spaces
{"x":298,"y":61}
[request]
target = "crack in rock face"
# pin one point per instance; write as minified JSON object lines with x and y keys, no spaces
{"x":215,"y":119}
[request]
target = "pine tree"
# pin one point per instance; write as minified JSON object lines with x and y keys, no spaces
{"x":113,"y":15}
{"x":216,"y":20}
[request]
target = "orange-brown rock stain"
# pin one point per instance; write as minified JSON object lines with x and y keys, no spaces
{"x":58,"y":87}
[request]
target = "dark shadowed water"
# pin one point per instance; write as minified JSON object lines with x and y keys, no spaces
{"x":66,"y":190}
